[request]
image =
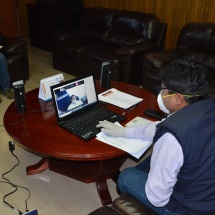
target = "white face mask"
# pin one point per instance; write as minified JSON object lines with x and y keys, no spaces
{"x":161,"y":104}
{"x":74,"y":101}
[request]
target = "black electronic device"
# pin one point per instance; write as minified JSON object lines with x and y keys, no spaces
{"x":105,"y":78}
{"x":19,"y":94}
{"x":80,"y":118}
{"x":155,"y":114}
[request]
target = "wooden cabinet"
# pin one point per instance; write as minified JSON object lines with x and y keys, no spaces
{"x":14,"y":18}
{"x":47,"y":16}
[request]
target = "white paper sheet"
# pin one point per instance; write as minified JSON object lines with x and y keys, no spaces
{"x":133,"y":146}
{"x":118,"y":98}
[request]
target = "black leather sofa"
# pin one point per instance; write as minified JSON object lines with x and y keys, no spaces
{"x":126,"y":205}
{"x":108,"y":35}
{"x":16,"y":52}
{"x":195,"y":41}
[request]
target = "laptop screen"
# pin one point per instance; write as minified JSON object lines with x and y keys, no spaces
{"x":74,"y":96}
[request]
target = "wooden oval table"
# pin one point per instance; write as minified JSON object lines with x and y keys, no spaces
{"x":62,"y":152}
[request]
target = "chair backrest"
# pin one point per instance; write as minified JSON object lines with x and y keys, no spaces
{"x":198,"y":36}
{"x":132,"y":27}
{"x":197,"y":40}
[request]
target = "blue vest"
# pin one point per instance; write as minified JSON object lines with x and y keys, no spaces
{"x":194,"y":128}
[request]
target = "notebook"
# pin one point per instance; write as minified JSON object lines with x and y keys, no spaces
{"x":76,"y":103}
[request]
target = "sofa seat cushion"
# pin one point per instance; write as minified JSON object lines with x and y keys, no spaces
{"x":59,"y":35}
{"x":121,"y":39}
{"x":160,"y":59}
{"x":208,"y":59}
{"x":74,"y":47}
{"x":103,"y":52}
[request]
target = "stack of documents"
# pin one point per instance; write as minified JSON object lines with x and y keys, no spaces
{"x":118,"y":98}
{"x":133,"y":146}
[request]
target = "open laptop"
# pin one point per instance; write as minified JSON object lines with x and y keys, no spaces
{"x":76,"y":105}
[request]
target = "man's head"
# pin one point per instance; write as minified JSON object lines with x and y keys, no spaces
{"x":183,"y":82}
{"x":73,"y":99}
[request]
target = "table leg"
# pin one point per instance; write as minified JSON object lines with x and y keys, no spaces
{"x":103,"y":192}
{"x":40,"y":167}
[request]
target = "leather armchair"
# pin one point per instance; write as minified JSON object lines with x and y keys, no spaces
{"x":195,"y":41}
{"x":124,"y":204}
{"x":16,"y":52}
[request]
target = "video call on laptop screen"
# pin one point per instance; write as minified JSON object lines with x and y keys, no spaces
{"x":74,"y":96}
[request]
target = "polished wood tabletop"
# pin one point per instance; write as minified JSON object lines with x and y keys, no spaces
{"x":38,"y":131}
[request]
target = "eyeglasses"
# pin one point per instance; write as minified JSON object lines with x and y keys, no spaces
{"x":160,"y":89}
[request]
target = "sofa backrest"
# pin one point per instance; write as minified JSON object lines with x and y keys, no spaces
{"x":96,"y":23}
{"x":197,"y":40}
{"x":119,"y":27}
{"x":131,"y":27}
{"x":198,"y":36}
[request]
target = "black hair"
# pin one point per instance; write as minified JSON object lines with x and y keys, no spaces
{"x":72,"y":96}
{"x":187,"y":77}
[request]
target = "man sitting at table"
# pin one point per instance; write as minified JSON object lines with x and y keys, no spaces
{"x":179,"y":176}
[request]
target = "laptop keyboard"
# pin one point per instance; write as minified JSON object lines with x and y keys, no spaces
{"x":88,"y":119}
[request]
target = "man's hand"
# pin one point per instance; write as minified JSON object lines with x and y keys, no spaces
{"x":111,"y":129}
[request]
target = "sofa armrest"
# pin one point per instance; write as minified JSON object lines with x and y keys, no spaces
{"x":127,"y":204}
{"x":137,"y":48}
{"x":13,"y":45}
{"x":159,"y":59}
